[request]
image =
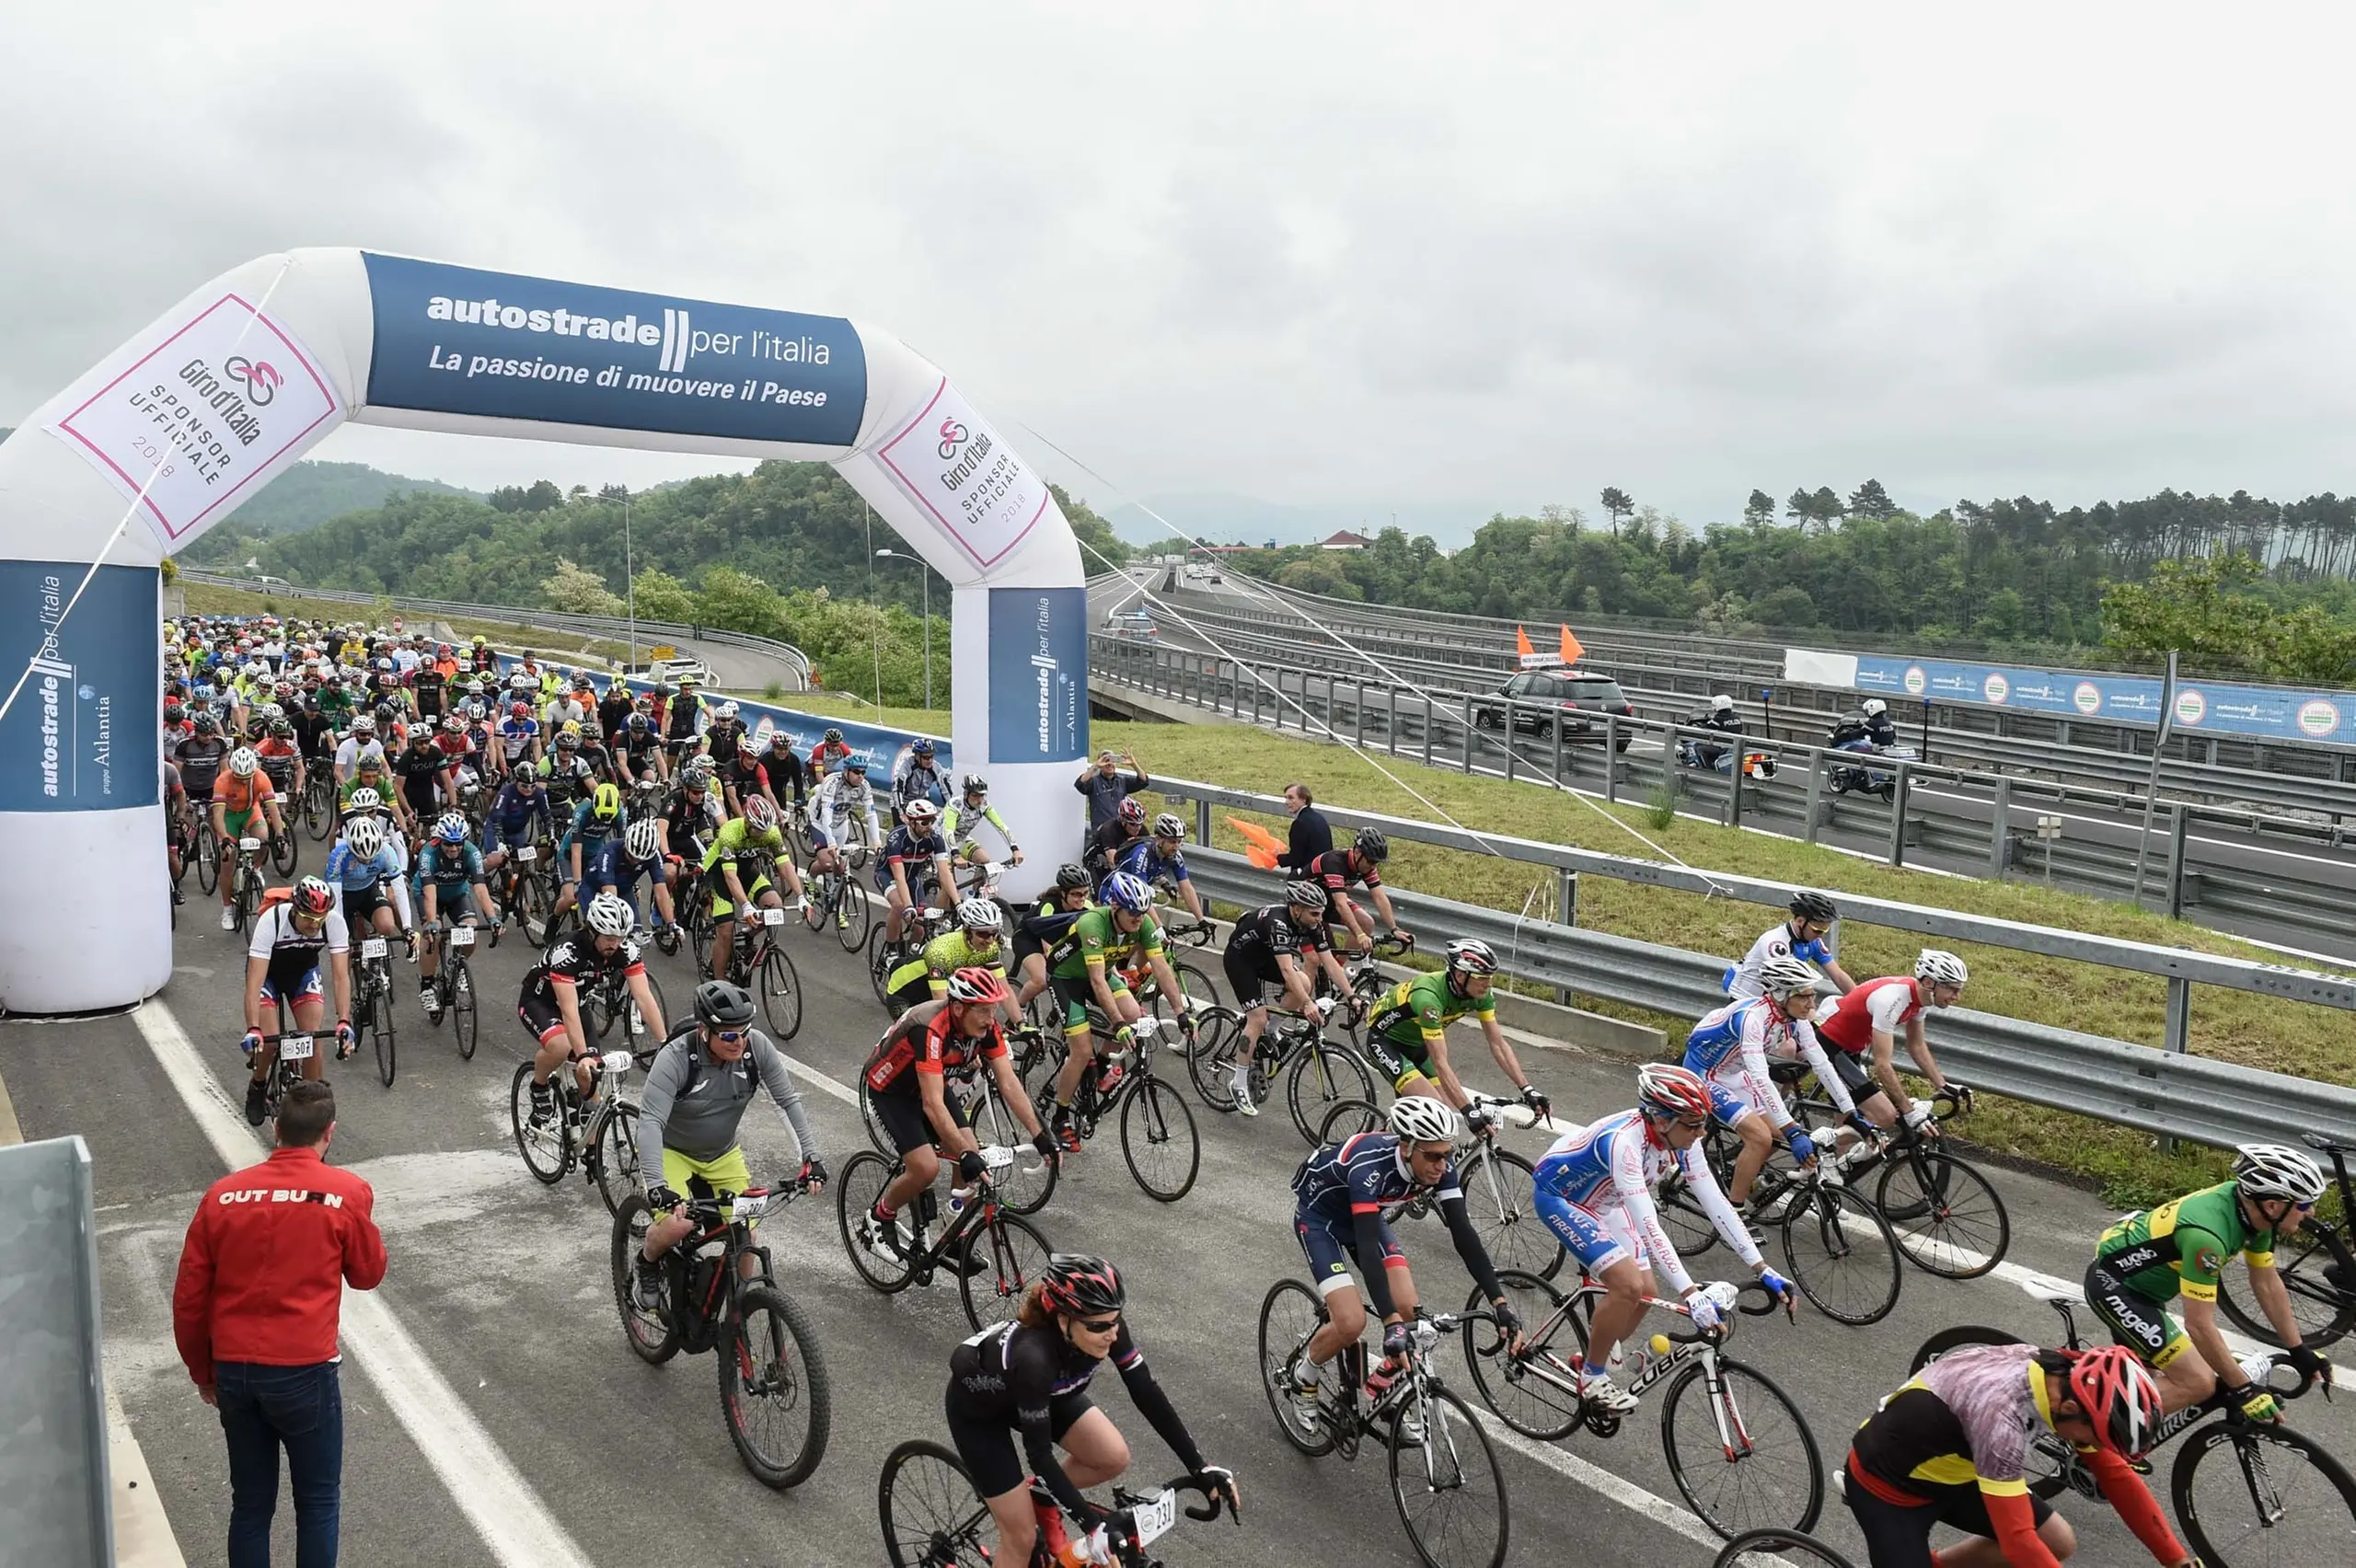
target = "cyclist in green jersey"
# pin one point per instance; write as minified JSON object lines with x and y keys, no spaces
{"x":1086,"y":966}
{"x":1406,"y":1036}
{"x":736,"y":870}
{"x":974,"y":945}
{"x":2179,"y":1249}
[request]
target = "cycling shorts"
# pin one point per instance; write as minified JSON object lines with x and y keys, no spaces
{"x":1075,"y":996}
{"x":539,"y":1015}
{"x":2134,"y":1320}
{"x":496,"y":836}
{"x":729,"y":1173}
{"x":246,"y":824}
{"x":1404,"y":1066}
{"x":903,"y":1116}
{"x":308,"y":989}
{"x":1331,"y":1246}
{"x":721,"y":908}
{"x":1856,"y":1074}
{"x":452,"y":904}
{"x":989,"y":1450}
{"x":1597,"y":1238}
{"x":1728,"y":1104}
{"x":1249,"y":979}
{"x":1900,"y":1537}
{"x":361,"y":903}
{"x":922,"y":885}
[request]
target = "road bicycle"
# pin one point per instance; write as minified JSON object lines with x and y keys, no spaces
{"x":316,"y":808}
{"x":454,"y":983}
{"x":372,"y":1001}
{"x":1318,"y":1073}
{"x":918,"y":926}
{"x":760,"y":957}
{"x":1738,"y":1448}
{"x":285,"y":852}
{"x":294,"y":1048}
{"x":578,"y":1125}
{"x":206,"y":848}
{"x":1158,"y":1136}
{"x":1837,"y":1247}
{"x":994,"y":1252}
{"x":1368,"y":984}
{"x":841,"y":899}
{"x":1445,"y":1480}
{"x":246,"y":883}
{"x":1947,"y":1216}
{"x":2244,"y":1492}
{"x":1500,"y":1187}
{"x":1023,"y":1178}
{"x":607,"y":1001}
{"x":527,"y":887}
{"x":773,"y":1387}
{"x":1769,"y":1548}
{"x":933,"y":1517}
{"x":2313,"y":1262}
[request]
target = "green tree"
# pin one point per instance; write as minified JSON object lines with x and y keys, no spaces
{"x":1616,"y":505}
{"x":2189,"y":608}
{"x":1759,"y":510}
{"x":1869,"y":500}
{"x":738,"y":601}
{"x":1787,"y":605}
{"x":579,"y":593}
{"x":662,"y":597}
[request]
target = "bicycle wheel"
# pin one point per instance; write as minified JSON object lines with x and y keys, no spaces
{"x":614,"y":1146}
{"x":1741,"y":1454}
{"x":1947,"y":1218}
{"x":1326,"y":1075}
{"x":1219,"y":1032}
{"x":530,"y":912}
{"x":285,"y":852}
{"x":1159,"y":1140}
{"x":852,"y":915}
{"x":543,"y":1146}
{"x":1501,"y":1195}
{"x":1535,"y":1395}
{"x":1763,"y":1549}
{"x":773,"y":1387}
{"x":1681,"y":1218}
{"x":2323,"y":1312}
{"x":653,"y":1338}
{"x":316,"y":815}
{"x":1026,"y":1183}
{"x":780,"y":988}
{"x":933,"y":1516}
{"x":2251,"y":1495}
{"x":864,"y":1176}
{"x":1841,"y":1255}
{"x":878,"y":1134}
{"x":1012,"y":1253}
{"x":208,"y":859}
{"x":1290,"y":1313}
{"x":463,"y":1021}
{"x":1191,"y":980}
{"x":1449,"y":1490}
{"x":381,"y":1034}
{"x":1347,"y":1120}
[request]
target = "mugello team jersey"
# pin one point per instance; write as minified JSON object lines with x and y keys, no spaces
{"x":2181,"y":1247}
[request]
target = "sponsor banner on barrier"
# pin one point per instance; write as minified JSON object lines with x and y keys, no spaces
{"x":965,"y":476}
{"x":2207,"y":707}
{"x":86,"y":727}
{"x":1038,"y":674}
{"x":211,"y":407}
{"x":459,"y":341}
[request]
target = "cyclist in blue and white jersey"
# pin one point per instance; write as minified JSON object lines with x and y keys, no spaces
{"x":595,"y":820}
{"x":1801,"y":937}
{"x":359,"y":866}
{"x":1729,"y":1049}
{"x":518,"y":815}
{"x":449,"y":880}
{"x":625,"y":860}
{"x":1595,"y":1192}
{"x":1159,"y":859}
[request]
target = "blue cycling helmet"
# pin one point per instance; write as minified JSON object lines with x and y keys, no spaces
{"x":452,"y":828}
{"x":922,"y":747}
{"x":1128,"y":894}
{"x":856,"y":761}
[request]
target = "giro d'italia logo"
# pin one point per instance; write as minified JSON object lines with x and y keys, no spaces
{"x":953,"y":436}
{"x":259,"y":377}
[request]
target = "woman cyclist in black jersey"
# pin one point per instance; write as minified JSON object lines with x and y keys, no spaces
{"x":1031,"y":1376}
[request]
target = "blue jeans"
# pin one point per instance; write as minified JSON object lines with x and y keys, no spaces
{"x":300,"y":1409}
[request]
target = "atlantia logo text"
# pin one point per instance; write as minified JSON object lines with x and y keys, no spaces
{"x":677,"y":336}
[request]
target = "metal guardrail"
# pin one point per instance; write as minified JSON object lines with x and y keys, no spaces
{"x":59,"y":1504}
{"x":1970,"y":819}
{"x":559,"y":621}
{"x":2163,"y":1092}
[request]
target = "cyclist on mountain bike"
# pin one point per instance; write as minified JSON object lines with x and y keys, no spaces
{"x":1340,"y":1195}
{"x":1595,"y":1192}
{"x":2179,"y":1249}
{"x":1268,"y":948}
{"x":1730,"y":1050}
{"x":1406,"y":1035}
{"x":1031,"y":1376}
{"x":1951,"y":1447}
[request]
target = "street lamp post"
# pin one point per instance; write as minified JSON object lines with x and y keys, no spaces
{"x":924,"y":570}
{"x":629,"y":582}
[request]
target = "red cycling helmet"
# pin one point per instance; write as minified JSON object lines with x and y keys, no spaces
{"x":1132,"y":812}
{"x":1672,"y":1090}
{"x":312,"y":897}
{"x":2120,"y":1398}
{"x":974,"y":986}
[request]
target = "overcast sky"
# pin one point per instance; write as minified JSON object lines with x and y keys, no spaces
{"x":1385,"y":257}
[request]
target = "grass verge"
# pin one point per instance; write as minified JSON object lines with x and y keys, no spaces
{"x":2235,"y":1026}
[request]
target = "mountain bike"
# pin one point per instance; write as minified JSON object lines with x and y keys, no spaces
{"x":1837,"y":1247}
{"x":933,"y":1518}
{"x":1319,"y":1074}
{"x":1023,"y":1178}
{"x":1738,"y":1448}
{"x":1500,"y":1187}
{"x":1158,"y":1137}
{"x":1444,"y":1477}
{"x":2244,"y":1492}
{"x":768,"y":968}
{"x":773,"y":1389}
{"x":371,"y":1002}
{"x":1947,"y":1216}
{"x":454,"y":983}
{"x":2313,"y":1262}
{"x":995,"y":1254}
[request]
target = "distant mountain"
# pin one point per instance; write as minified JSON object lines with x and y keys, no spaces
{"x":1224,"y":518}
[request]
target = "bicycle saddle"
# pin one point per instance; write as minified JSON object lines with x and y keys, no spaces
{"x":2327,"y":1144}
{"x":2048,"y":1288}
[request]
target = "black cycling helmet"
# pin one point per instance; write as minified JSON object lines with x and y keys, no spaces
{"x":1068,"y":876}
{"x":720,"y":1005}
{"x":1371,"y":843}
{"x":833,"y":735}
{"x":1079,"y":1283}
{"x":1812,"y":906}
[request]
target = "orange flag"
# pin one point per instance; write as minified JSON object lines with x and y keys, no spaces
{"x":1521,"y":643}
{"x":1260,"y":845}
{"x":1572,"y":651}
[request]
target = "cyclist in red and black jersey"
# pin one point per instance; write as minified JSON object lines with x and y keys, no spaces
{"x":1361,"y":862}
{"x":550,"y":1006}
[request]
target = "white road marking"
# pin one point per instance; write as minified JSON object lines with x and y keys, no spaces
{"x":1601,"y":1481}
{"x":501,"y":1504}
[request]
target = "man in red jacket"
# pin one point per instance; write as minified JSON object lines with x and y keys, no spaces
{"x":255,"y":1311}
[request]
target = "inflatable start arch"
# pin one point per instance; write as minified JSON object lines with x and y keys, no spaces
{"x":197,"y":413}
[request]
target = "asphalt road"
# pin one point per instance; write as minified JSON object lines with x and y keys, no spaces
{"x":495,"y":1415}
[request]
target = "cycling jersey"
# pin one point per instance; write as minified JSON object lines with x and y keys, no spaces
{"x":1730,"y":1047}
{"x":278,"y":758}
{"x":243,"y":798}
{"x":1271,"y":932}
{"x":2181,"y":1246}
{"x":689,"y":820}
{"x":904,"y":848}
{"x":517,"y":735}
{"x":348,"y":751}
{"x":574,"y":960}
{"x":448,"y":867}
{"x":1093,"y":942}
{"x":925,"y":1040}
{"x":1341,"y":1193}
{"x":200,"y":758}
{"x":840,"y":796}
{"x":512,"y":813}
{"x":1412,"y":1016}
{"x":292,"y":954}
{"x":613,"y":866}
{"x":694,"y":1105}
{"x":737,"y":845}
{"x":1334,"y":868}
{"x":722,"y":739}
{"x":1595,"y":1191}
{"x":827,"y":756}
{"x":959,"y":823}
{"x":589,"y":831}
{"x":1142,"y":860}
{"x":353,"y":874}
{"x":421,"y":769}
{"x":1363,"y":1174}
{"x":1743,"y":981}
{"x":1878,"y":1007}
{"x":940,"y":958}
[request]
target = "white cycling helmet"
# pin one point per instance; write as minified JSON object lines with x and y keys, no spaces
{"x":242,"y":762}
{"x":364,"y":724}
{"x":1420,"y":1119}
{"x":727,"y":710}
{"x":1783,"y":974}
{"x":919,"y":810}
{"x":364,"y":800}
{"x":978,"y":914}
{"x":2277,"y":1170}
{"x":640,"y":839}
{"x":366,"y":837}
{"x":1938,"y":967}
{"x":607,"y":915}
